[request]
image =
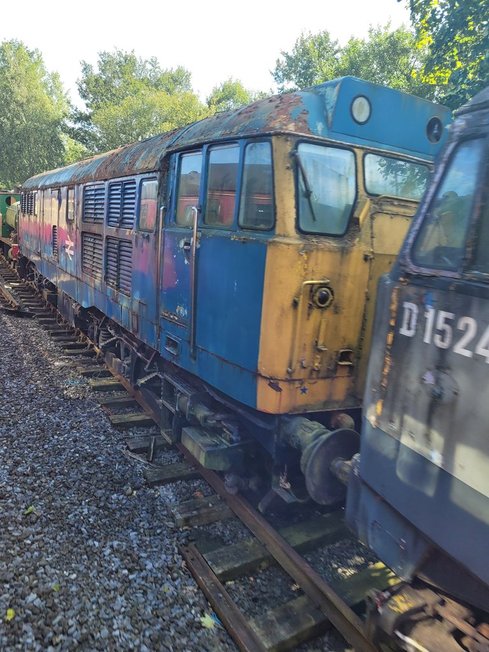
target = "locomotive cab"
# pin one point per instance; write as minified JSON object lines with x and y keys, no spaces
{"x":419,"y":493}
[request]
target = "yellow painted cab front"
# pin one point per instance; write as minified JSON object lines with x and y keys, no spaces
{"x":342,"y":214}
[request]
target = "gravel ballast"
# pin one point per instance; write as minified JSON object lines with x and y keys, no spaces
{"x":89,"y":554}
{"x":88,"y":557}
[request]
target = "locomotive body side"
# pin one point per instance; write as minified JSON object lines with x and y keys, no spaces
{"x":419,"y":495}
{"x":239,"y":255}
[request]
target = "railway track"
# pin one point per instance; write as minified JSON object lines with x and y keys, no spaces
{"x":11,"y":292}
{"x":319,"y":603}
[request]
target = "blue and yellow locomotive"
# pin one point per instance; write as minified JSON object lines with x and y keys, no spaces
{"x":419,"y":492}
{"x":229,"y":268}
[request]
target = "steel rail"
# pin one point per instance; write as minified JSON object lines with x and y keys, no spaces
{"x":340,"y":615}
{"x":14,"y":305}
{"x":236,"y":624}
{"x":8,"y":296}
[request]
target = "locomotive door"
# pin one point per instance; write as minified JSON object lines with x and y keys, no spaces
{"x":388,"y":222}
{"x":67,"y":235}
{"x":49,"y":225}
{"x":179,"y":260}
{"x":212,"y":268}
{"x":145,"y":263}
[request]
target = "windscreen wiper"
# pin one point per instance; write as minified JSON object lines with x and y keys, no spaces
{"x":307,"y":185}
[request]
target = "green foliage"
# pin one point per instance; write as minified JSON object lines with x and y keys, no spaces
{"x":120,"y":75}
{"x":74,"y":150}
{"x":129,"y":99}
{"x":229,"y":95}
{"x":33,"y":108}
{"x":313,"y":60}
{"x":456,"y":32}
{"x":143,"y":115}
{"x":388,"y":57}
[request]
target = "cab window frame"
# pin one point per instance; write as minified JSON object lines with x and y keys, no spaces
{"x":152,"y":178}
{"x":392,"y":156}
{"x":462,"y":268}
{"x":473,"y":239}
{"x":70,"y":216}
{"x":248,"y":227}
{"x":179,"y":156}
{"x":205,"y":152}
{"x":297,"y":181}
{"x":204,"y":190}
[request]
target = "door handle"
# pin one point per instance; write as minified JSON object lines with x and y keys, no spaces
{"x":188,"y":245}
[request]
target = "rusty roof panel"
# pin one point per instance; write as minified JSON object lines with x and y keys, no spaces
{"x":320,"y":111}
{"x":137,"y":158}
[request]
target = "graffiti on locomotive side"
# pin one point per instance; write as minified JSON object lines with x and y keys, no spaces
{"x":446,"y":330}
{"x":69,"y":247}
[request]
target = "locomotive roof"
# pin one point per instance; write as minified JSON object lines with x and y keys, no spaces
{"x":320,"y":111}
{"x":479,"y":101}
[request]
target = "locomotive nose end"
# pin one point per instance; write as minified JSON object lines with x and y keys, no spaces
{"x":323,"y":462}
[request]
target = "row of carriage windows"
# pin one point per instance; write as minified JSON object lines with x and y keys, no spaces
{"x":228,"y":184}
{"x":326,"y":201}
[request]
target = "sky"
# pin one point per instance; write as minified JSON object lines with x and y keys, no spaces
{"x":214,"y":39}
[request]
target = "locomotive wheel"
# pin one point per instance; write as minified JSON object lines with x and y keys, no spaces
{"x":322,"y":484}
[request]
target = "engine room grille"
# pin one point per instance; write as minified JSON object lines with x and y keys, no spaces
{"x":122,"y":204}
{"x":55,"y":241}
{"x":27,"y":202}
{"x":118,"y":264}
{"x":92,"y":252}
{"x":93,"y":204}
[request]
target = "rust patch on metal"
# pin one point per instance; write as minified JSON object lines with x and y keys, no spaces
{"x":277,"y":114}
{"x":388,"y":347}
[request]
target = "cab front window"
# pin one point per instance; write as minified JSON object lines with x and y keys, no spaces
{"x":441,"y":241}
{"x":326,"y":188}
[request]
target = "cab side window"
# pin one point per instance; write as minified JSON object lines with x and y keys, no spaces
{"x":70,"y":205}
{"x":188,"y":188}
{"x":147,"y":205}
{"x":256,"y":208}
{"x":221,"y":185}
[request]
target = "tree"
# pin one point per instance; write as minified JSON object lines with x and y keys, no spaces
{"x":456,"y":32}
{"x":143,"y":115}
{"x":387,"y":57}
{"x":122,"y":74}
{"x":313,"y":60}
{"x":129,"y":99}
{"x":33,"y":108}
{"x":229,"y":95}
{"x":74,"y":150}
